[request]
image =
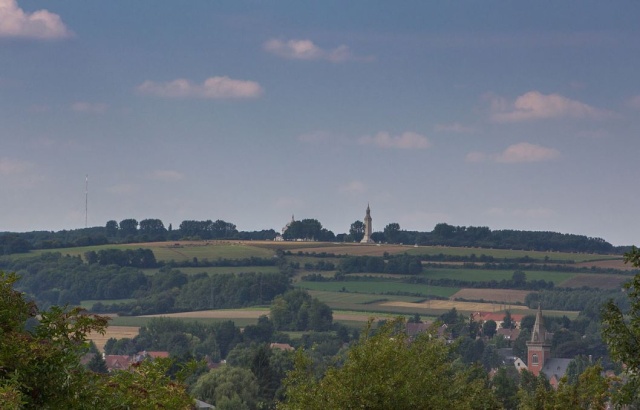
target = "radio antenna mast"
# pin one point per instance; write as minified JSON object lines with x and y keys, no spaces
{"x":86,"y":200}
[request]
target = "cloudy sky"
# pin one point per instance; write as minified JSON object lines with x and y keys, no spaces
{"x":510,"y":115}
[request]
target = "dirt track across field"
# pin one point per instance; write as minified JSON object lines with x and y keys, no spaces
{"x":255,"y":314}
{"x":492,"y":295}
{"x":449,"y":304}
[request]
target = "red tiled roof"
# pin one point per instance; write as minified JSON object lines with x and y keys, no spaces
{"x":117,"y":362}
{"x":282,"y":346}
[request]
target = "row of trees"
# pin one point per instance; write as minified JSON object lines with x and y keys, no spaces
{"x":40,"y":363}
{"x":483,"y":237}
{"x":53,"y":279}
{"x":396,"y":264}
{"x":153,"y":229}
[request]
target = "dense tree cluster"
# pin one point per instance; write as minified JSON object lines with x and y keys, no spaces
{"x":40,"y":363}
{"x":483,"y":237}
{"x":297,"y":310}
{"x":622,"y":334}
{"x":55,"y":279}
{"x":13,"y":243}
{"x":395,"y":264}
{"x":137,"y":258}
{"x":587,"y":301}
{"x":385,"y":370}
{"x":152,"y":230}
{"x":308,"y":229}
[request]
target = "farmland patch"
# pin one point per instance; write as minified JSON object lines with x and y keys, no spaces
{"x":487,"y":275}
{"x":116,"y":332}
{"x":379,"y":287}
{"x":445,"y":305}
{"x":596,"y":281}
{"x":492,"y":295}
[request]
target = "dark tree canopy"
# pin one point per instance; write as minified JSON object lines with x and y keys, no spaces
{"x":621,"y":333}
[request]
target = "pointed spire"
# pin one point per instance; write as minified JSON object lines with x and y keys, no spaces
{"x":539,"y":333}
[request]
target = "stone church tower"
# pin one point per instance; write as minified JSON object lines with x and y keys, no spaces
{"x":367,"y":227}
{"x":539,"y":347}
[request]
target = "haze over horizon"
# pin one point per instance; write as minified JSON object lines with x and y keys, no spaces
{"x":508,"y":115}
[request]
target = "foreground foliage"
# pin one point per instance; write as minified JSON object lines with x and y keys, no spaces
{"x":386,"y":370}
{"x":40,"y":363}
{"x":622,"y":334}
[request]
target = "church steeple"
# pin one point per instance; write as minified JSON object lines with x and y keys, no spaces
{"x":539,"y":347}
{"x":539,"y":332}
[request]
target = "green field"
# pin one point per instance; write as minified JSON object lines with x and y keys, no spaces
{"x":182,"y":251}
{"x":187,"y":250}
{"x":486,"y":275}
{"x":221,"y":269}
{"x":142,"y":321}
{"x":507,"y":253}
{"x":330,"y":298}
{"x":378,"y":288}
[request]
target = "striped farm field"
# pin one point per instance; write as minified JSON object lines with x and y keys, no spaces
{"x":492,"y":295}
{"x":116,"y":332}
{"x":182,"y":250}
{"x":256,"y":313}
{"x":596,"y":281}
{"x":379,"y":250}
{"x":334,"y":298}
{"x":379,"y":288}
{"x":217,"y":314}
{"x":486,"y":275}
{"x":445,"y":305}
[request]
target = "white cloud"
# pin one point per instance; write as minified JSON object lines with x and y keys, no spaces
{"x":41,"y":24}
{"x":87,"y":107}
{"x":525,"y":152}
{"x":10,"y":166}
{"x":517,"y":153}
{"x":634,"y":102}
{"x":406,"y":140}
{"x":534,"y":105}
{"x":307,"y":50}
{"x":167,"y":175}
{"x":454,"y":127}
{"x":220,"y":87}
{"x":354,"y":188}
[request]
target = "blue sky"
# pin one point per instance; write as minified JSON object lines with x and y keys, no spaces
{"x":510,"y":115}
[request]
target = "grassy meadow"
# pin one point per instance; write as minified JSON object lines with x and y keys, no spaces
{"x":377,"y":295}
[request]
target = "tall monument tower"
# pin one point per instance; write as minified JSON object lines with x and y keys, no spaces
{"x":539,"y":347}
{"x":367,"y":227}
